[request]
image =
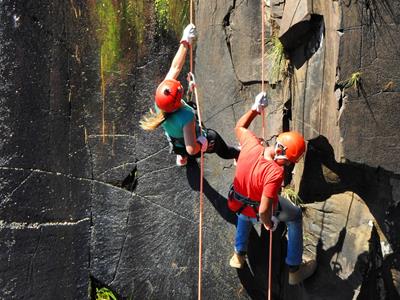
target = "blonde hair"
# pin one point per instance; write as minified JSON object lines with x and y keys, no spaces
{"x":151,"y":120}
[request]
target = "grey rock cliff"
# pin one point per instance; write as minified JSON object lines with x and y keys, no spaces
{"x":87,"y":198}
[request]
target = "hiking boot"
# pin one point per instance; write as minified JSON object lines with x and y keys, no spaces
{"x":237,"y":261}
{"x":305,"y":270}
{"x":181,"y":160}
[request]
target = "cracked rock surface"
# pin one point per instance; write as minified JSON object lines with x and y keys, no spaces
{"x":87,"y":196}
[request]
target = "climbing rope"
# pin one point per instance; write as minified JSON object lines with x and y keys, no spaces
{"x":193,"y":87}
{"x":192,"y":84}
{"x":270,"y":263}
{"x":191,"y":49}
{"x":263,"y":135}
{"x":262,"y":60}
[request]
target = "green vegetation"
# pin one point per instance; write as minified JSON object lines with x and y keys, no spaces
{"x":172,"y":15}
{"x":353,"y":81}
{"x":276,"y":55}
{"x":105,"y":294}
{"x":161,"y":7}
{"x":109,"y":34}
{"x":134,"y":17}
{"x":121,"y":31}
{"x":121,"y":27}
{"x":290,"y":194}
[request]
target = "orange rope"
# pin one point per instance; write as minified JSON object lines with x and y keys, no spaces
{"x":262,"y":60}
{"x":201,"y":200}
{"x":201,"y":165}
{"x":191,"y":49}
{"x":270,"y":264}
{"x":263,"y":135}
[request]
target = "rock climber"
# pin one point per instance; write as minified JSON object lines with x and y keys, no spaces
{"x":254,"y":192}
{"x":178,"y":119}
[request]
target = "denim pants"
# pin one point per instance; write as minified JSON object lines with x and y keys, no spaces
{"x":287,"y":212}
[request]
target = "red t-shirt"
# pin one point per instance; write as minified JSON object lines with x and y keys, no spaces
{"x":255,"y":176}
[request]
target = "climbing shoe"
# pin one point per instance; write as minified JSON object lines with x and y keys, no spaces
{"x":237,"y":261}
{"x":304,"y":271}
{"x":181,"y":160}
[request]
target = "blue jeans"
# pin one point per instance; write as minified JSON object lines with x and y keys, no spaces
{"x":287,"y":212}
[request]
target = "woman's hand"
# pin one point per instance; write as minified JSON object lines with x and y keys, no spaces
{"x":204,"y":143}
{"x":189,"y":34}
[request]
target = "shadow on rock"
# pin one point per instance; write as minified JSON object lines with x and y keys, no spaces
{"x":369,"y":279}
{"x":323,"y":177}
{"x":219,"y":202}
{"x":254,"y":276}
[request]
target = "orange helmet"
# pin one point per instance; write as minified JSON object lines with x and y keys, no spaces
{"x":290,"y":145}
{"x":168,"y":95}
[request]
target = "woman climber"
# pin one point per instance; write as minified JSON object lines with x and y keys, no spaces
{"x":178,"y":119}
{"x":254,"y":192}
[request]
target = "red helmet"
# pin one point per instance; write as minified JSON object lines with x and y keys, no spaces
{"x":290,"y":145}
{"x":168,"y":95}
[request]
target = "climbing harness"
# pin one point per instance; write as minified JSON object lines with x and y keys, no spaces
{"x":244,"y":202}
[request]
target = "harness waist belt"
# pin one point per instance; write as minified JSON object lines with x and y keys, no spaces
{"x":178,"y":142}
{"x":245,"y":200}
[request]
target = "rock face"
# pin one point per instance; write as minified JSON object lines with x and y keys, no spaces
{"x":45,"y":168}
{"x":90,"y":199}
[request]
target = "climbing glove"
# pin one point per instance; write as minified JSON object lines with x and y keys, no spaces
{"x":260,"y":101}
{"x":204,"y":143}
{"x":189,"y":34}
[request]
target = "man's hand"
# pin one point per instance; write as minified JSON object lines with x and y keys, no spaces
{"x":260,"y":101}
{"x":268,"y":225}
{"x":273,"y":224}
{"x":189,"y":34}
{"x":204,"y":143}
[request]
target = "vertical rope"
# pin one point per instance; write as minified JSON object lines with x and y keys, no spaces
{"x":262,"y":60}
{"x":270,"y":263}
{"x":199,"y":281}
{"x":263,"y":135}
{"x":191,"y":49}
{"x":201,"y":204}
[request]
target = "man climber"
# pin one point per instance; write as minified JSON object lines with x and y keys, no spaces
{"x":254,"y":193}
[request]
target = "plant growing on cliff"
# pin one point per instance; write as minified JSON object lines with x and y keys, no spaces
{"x":290,"y":194}
{"x":104,"y":294}
{"x":172,"y":15}
{"x":108,"y":34}
{"x":276,"y":55}
{"x":353,"y":81}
